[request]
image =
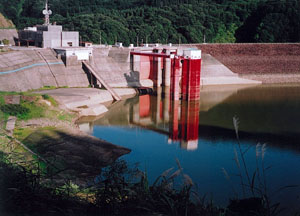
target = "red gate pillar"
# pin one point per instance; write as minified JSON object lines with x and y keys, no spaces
{"x":191,"y":72}
{"x":167,"y":70}
{"x":175,"y":78}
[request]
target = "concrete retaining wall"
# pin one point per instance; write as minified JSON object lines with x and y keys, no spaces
{"x":33,"y":69}
{"x":8,"y":34}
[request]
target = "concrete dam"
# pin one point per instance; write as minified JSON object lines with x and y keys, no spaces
{"x":24,"y":70}
{"x":33,"y":68}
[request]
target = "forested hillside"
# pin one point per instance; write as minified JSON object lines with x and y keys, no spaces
{"x":166,"y":21}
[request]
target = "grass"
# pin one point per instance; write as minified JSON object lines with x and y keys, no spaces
{"x":46,"y":88}
{"x":22,"y":133}
{"x":30,"y":107}
{"x":7,"y":28}
{"x":3,"y":93}
{"x":2,"y":101}
{"x":24,"y":192}
{"x":31,"y":136}
{"x":15,"y":110}
{"x":51,"y":100}
{"x":3,"y":116}
{"x":49,"y":88}
{"x":66,"y":117}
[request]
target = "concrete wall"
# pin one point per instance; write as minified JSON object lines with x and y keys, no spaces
{"x":80,"y":53}
{"x":38,"y":76}
{"x":113,"y":65}
{"x":54,"y":28}
{"x":8,"y":34}
{"x":51,"y":36}
{"x":70,"y":37}
{"x":51,"y":39}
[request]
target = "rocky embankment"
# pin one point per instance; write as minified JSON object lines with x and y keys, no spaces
{"x":269,"y":63}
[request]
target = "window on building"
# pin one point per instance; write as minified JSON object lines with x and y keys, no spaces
{"x":70,"y":44}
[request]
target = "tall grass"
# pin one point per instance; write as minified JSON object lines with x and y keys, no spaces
{"x":117,"y":192}
{"x":255,"y":198}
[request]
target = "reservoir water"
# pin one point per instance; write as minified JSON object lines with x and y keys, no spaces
{"x":201,"y":135}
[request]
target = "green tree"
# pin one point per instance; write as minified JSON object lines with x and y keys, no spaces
{"x":225,"y":35}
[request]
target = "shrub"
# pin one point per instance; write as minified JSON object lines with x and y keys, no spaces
{"x":15,"y":110}
{"x":51,"y":99}
{"x":5,"y":42}
{"x":45,"y":96}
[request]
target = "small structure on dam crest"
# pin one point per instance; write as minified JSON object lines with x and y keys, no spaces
{"x":48,"y":35}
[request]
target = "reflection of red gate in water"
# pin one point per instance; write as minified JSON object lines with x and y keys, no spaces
{"x":189,"y":120}
{"x":144,"y":105}
{"x":183,"y":118}
{"x":186,"y":129}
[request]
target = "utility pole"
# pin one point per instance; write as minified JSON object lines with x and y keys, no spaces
{"x":47,"y":14}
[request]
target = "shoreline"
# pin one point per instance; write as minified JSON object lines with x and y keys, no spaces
{"x":273,"y":78}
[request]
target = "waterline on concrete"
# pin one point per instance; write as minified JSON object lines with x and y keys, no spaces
{"x":30,"y":66}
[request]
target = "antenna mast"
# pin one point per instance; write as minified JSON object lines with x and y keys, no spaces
{"x":47,"y":14}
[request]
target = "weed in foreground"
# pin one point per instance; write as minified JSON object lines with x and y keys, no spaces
{"x":255,"y":195}
{"x":123,"y":191}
